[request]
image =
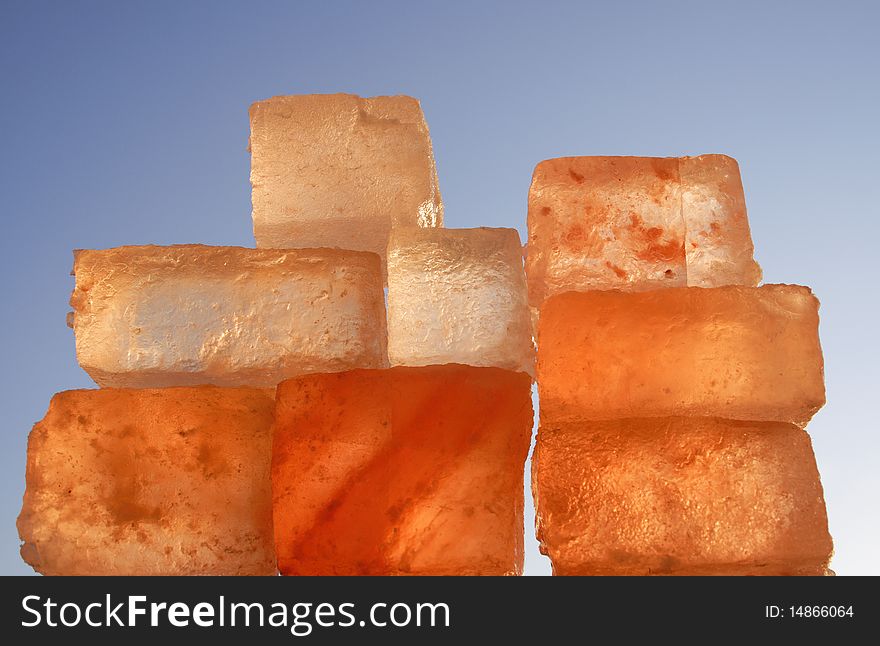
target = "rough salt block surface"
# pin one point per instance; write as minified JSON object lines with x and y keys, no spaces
{"x":458,"y":296}
{"x":151,"y":482}
{"x":637,"y":223}
{"x":338,"y":170}
{"x":718,"y":242}
{"x":152,"y":316}
{"x":748,"y":353}
{"x":401,"y":471}
{"x":679,"y":496}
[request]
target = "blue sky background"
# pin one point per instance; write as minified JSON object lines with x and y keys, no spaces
{"x":126,"y":123}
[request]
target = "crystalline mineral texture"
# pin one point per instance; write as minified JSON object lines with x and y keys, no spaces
{"x":190,"y":314}
{"x":458,"y":296}
{"x":749,"y":353}
{"x":637,"y":223}
{"x":338,"y":170}
{"x":151,"y":482}
{"x":401,"y":471}
{"x":718,"y":242}
{"x":679,"y":496}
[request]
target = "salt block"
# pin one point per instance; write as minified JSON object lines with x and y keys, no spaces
{"x":151,"y":482}
{"x":691,"y":496}
{"x":403,"y":471}
{"x":749,"y":353}
{"x":151,"y":316}
{"x":458,"y":296}
{"x":338,"y":170}
{"x":637,"y":223}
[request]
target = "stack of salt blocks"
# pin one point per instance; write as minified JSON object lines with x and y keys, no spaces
{"x":265,"y":409}
{"x":673,"y":390}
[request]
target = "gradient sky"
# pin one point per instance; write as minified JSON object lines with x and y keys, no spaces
{"x":126,"y":123}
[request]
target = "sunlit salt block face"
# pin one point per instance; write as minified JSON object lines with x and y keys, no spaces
{"x":718,"y":241}
{"x":401,"y":471}
{"x":168,"y":481}
{"x":637,"y":223}
{"x":189,"y":314}
{"x":338,"y":170}
{"x":673,"y":495}
{"x":458,"y":296}
{"x":748,"y":353}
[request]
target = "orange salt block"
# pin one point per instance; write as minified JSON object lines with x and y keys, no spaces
{"x":679,"y":496}
{"x":338,"y":170}
{"x":182,"y":315}
{"x":749,"y":353}
{"x":409,"y":470}
{"x":151,"y":482}
{"x":637,"y":223}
